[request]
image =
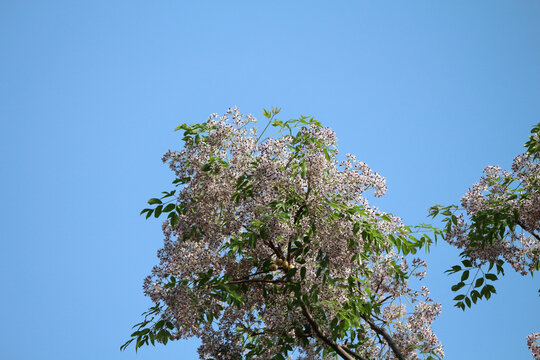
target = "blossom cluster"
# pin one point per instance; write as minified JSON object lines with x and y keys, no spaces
{"x":515,"y":198}
{"x":501,"y":224}
{"x":284,"y":229}
{"x":532,"y":343}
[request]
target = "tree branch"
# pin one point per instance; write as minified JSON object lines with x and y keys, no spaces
{"x":535,"y":235}
{"x":275,"y":249}
{"x":352,"y":353}
{"x":250,"y":275}
{"x":255,"y":281}
{"x":297,"y":217}
{"x":529,"y":231}
{"x":341,"y":350}
{"x":386,"y":337}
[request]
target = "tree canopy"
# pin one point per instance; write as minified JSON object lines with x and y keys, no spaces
{"x":272,"y":251}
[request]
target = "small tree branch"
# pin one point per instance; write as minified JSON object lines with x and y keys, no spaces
{"x":296,"y":218}
{"x":341,"y":350}
{"x":299,"y":212}
{"x":386,"y":337}
{"x":352,"y":353}
{"x":247,"y":281}
{"x":276,"y":249}
{"x":535,"y":235}
{"x":250,"y":275}
{"x":529,"y":231}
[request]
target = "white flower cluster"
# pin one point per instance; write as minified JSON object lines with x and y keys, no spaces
{"x":514,"y":194}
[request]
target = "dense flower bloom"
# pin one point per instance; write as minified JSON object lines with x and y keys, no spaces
{"x":515,"y":198}
{"x":272,"y":248}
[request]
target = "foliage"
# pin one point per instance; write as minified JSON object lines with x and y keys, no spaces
{"x":271,"y":251}
{"x":503,"y":225}
{"x":498,"y":223}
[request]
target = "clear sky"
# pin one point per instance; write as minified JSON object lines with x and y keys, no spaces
{"x":426,"y":92}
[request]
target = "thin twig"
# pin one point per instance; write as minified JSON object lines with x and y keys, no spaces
{"x":278,"y":281}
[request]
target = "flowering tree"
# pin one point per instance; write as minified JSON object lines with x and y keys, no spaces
{"x":272,"y":251}
{"x":498,"y":223}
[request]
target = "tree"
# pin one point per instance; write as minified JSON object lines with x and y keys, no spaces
{"x":271,"y":251}
{"x":498,"y":223}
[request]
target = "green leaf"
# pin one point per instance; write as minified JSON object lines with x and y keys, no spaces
{"x":303,"y":273}
{"x":174,"y":219}
{"x":458,"y":286}
{"x":183,"y":127}
{"x":158,"y":210}
{"x":303,"y":169}
{"x":465,"y":275}
{"x":124,"y":347}
{"x":475,"y":295}
{"x":181,"y":181}
{"x":479,"y":282}
{"x":169,"y":207}
{"x":491,"y":277}
{"x":326,"y":154}
{"x":148,"y":214}
{"x":454,"y":269}
{"x":434,"y":211}
{"x":154,"y":201}
{"x":356,"y":228}
{"x":159,"y":324}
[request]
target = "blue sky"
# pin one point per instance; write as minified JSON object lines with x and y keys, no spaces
{"x":427,"y":93}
